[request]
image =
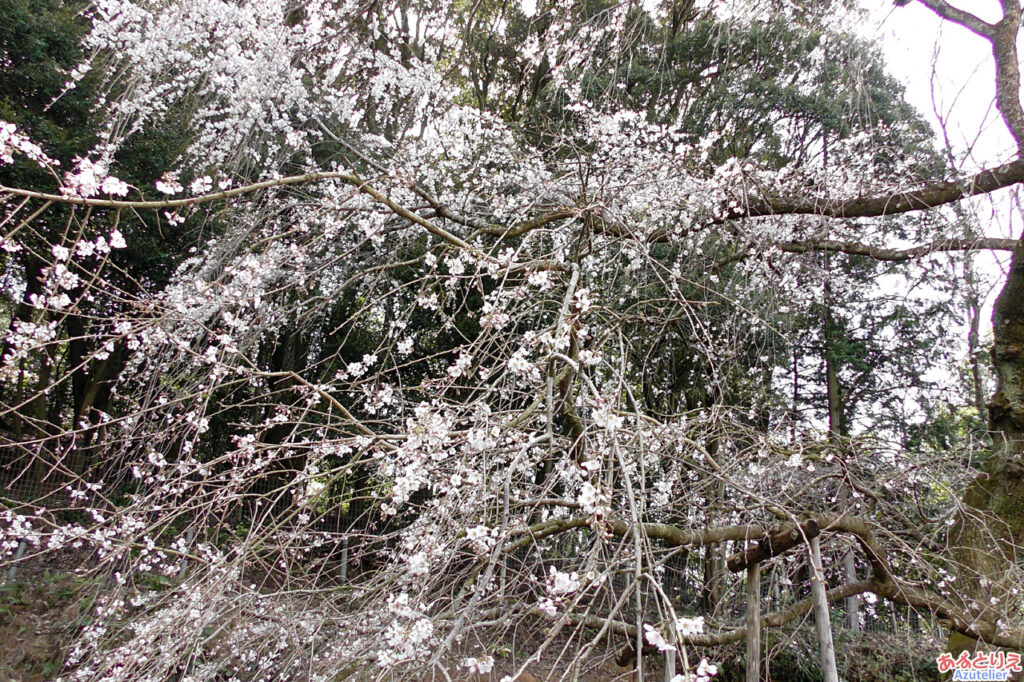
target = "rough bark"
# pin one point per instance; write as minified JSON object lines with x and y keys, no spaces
{"x":898,"y":255}
{"x":990,"y":527}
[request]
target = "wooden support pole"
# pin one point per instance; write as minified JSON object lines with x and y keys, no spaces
{"x":12,"y":572}
{"x":190,"y":535}
{"x":822,"y":624}
{"x":852,"y":603}
{"x":344,"y":560}
{"x":850,"y":573}
{"x":670,"y":665}
{"x":638,"y":664}
{"x":753,"y":623}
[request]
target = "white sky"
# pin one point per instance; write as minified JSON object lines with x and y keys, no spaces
{"x":948,"y":72}
{"x":949,"y":76}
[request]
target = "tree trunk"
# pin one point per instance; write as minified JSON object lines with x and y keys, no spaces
{"x":973,"y":334}
{"x":990,"y":527}
{"x":714,"y":563}
{"x":25,"y":312}
{"x":836,"y":432}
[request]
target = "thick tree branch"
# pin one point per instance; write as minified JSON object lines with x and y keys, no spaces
{"x":880,"y":253}
{"x":447,"y":212}
{"x":679,"y":537}
{"x":179,"y":203}
{"x":674,"y":536}
{"x":358,"y":183}
{"x":883,"y":583}
{"x":946,"y":245}
{"x":900,"y":594}
{"x":1003,"y":37}
{"x":775,"y":619}
{"x":521,"y":227}
{"x":951,"y":616}
{"x":921,"y":199}
{"x":959,"y":16}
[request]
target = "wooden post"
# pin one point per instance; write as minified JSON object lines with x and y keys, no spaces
{"x":821,"y":620}
{"x":670,"y":665}
{"x":190,"y":535}
{"x":850,"y":574}
{"x":344,"y":560}
{"x":852,"y":603}
{"x":753,"y":622}
{"x":638,"y":664}
{"x":12,"y":572}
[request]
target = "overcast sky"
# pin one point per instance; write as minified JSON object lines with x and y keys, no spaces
{"x":948,"y":73}
{"x":950,"y":77}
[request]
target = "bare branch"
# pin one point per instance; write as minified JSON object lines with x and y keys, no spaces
{"x":1003,"y":37}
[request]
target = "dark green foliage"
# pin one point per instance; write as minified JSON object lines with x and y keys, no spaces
{"x":39,"y":46}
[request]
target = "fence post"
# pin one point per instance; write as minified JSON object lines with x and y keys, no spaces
{"x":638,"y":665}
{"x":190,"y":535}
{"x":753,"y":619}
{"x":12,"y":572}
{"x":670,"y":664}
{"x":852,"y":603}
{"x":344,"y":559}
